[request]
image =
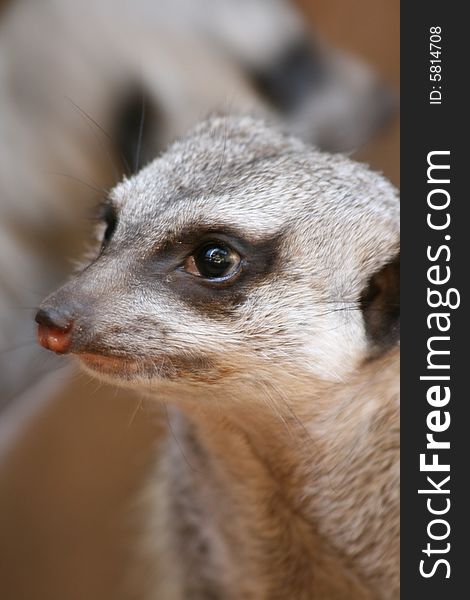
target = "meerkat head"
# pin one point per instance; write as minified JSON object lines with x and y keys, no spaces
{"x":241,"y":255}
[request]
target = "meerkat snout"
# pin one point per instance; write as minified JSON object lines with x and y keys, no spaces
{"x":238,"y":251}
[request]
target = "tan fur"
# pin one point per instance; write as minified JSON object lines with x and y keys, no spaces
{"x":303,"y":506}
{"x":279,"y":476}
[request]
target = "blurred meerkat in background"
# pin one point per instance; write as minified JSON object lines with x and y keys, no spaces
{"x":90,"y":91}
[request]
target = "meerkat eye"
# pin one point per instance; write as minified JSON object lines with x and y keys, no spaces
{"x":215,"y":261}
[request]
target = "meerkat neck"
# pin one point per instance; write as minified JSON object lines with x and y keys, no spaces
{"x":256,"y":534}
{"x":269,"y":492}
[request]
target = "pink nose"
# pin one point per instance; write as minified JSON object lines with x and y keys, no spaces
{"x":54,"y":331}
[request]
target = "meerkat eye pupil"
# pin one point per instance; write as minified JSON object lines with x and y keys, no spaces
{"x":215,"y":260}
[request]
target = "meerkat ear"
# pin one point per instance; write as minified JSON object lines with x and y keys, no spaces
{"x":380,"y":305}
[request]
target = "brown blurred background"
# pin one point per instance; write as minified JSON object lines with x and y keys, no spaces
{"x":70,"y":475}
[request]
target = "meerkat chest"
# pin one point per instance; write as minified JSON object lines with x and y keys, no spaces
{"x":234,"y":542}
{"x":233,"y":534}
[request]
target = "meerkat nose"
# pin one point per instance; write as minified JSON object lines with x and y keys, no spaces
{"x":54,"y":331}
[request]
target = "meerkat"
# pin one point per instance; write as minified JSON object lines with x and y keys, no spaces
{"x":92,"y":90}
{"x":250,"y":283}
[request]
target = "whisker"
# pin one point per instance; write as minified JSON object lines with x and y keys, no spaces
{"x":173,"y":434}
{"x":139,"y":138}
{"x":135,"y":411}
{"x":90,"y":186}
{"x":221,"y":162}
{"x":90,"y":120}
{"x":38,"y":293}
{"x":31,"y":308}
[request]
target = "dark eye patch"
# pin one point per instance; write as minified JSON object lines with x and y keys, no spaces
{"x":259,"y":261}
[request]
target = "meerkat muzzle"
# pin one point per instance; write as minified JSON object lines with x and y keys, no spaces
{"x":54,"y":331}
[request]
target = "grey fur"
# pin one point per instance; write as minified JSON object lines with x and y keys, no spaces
{"x":188,"y":58}
{"x":281,"y":477}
